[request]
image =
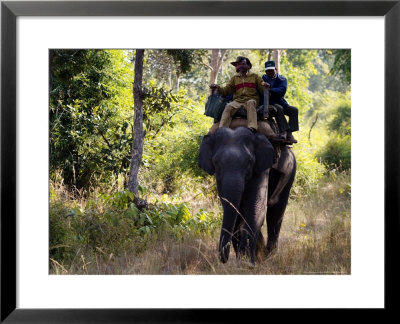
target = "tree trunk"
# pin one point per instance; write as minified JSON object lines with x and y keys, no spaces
{"x":178,"y":79}
{"x":137,"y":145}
{"x":277,"y":56}
{"x":217,"y":57}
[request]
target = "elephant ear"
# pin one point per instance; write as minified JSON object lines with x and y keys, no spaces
{"x":206,"y":154}
{"x":264,"y":153}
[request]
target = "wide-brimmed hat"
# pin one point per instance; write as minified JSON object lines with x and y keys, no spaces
{"x":241,"y":58}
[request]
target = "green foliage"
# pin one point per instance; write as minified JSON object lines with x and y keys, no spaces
{"x":298,"y":72}
{"x":60,"y":234}
{"x":325,"y":79}
{"x":176,"y":68}
{"x":184,"y":59}
{"x":91,"y":121}
{"x":89,"y":108}
{"x":91,"y":115}
{"x":309,"y":171}
{"x":341,"y":122}
{"x":300,"y":58}
{"x":119,"y":226}
{"x":119,"y":199}
{"x":342,"y":64}
{"x":170,"y":155}
{"x":337,"y":153}
{"x":159,"y":108}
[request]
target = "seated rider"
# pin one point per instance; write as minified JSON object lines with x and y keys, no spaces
{"x":277,"y":89}
{"x":246,"y":88}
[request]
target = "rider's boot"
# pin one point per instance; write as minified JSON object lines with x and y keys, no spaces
{"x":290,"y":138}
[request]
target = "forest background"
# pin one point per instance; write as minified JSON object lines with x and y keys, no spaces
{"x":97,"y":225}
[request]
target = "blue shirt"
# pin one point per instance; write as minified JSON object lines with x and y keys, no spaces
{"x":278,"y":86}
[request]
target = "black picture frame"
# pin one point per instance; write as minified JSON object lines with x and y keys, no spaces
{"x":10,"y":10}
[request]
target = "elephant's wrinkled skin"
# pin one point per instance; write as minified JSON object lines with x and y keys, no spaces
{"x":242,"y":164}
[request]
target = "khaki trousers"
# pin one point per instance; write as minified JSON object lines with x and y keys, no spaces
{"x":232,"y":107}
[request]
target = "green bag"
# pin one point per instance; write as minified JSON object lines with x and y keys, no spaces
{"x":215,"y":106}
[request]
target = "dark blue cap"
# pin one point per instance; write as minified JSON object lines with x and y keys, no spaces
{"x":270,"y":65}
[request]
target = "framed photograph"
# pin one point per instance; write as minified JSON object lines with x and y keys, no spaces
{"x":31,"y":290}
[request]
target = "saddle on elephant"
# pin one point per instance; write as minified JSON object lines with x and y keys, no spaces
{"x":266,"y":126}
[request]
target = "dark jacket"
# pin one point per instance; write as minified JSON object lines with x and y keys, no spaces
{"x":278,"y":86}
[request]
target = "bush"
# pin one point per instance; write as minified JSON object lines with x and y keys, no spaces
{"x":309,"y":172}
{"x":113,"y":225}
{"x":337,"y":154}
{"x":59,"y":232}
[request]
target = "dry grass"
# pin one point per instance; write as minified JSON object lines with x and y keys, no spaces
{"x":315,"y":239}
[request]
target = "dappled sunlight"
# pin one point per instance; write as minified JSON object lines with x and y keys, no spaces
{"x":97,"y":225}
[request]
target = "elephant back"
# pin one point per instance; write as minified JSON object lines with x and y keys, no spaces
{"x":264,"y":127}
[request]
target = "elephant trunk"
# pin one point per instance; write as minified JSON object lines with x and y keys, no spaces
{"x":230,"y":192}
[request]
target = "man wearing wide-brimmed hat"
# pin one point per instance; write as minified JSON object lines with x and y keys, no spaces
{"x":246,"y":88}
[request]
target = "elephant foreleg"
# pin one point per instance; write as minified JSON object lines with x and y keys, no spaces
{"x":255,"y":206}
{"x":260,"y":246}
{"x":236,"y":237}
{"x":225,"y":241}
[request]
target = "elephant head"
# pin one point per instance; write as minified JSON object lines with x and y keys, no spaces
{"x":241,"y":161}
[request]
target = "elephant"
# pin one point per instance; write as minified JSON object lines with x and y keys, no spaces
{"x":253,"y":184}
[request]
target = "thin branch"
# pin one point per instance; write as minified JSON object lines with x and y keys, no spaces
{"x":312,"y":125}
